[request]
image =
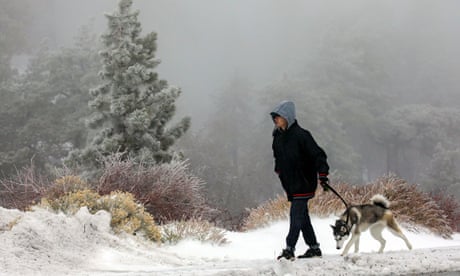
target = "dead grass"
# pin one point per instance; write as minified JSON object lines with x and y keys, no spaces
{"x":272,"y":210}
{"x":411,"y":206}
{"x":196,"y":229}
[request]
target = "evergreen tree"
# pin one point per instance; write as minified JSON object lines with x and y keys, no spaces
{"x":417,"y":137}
{"x":14,"y":19}
{"x":443,"y":172}
{"x":40,"y":110}
{"x":132,"y":106}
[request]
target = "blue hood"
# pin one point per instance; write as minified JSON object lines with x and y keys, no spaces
{"x":285,"y":109}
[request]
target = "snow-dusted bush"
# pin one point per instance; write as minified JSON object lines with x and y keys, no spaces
{"x":71,"y":202}
{"x":29,"y":185}
{"x":65,"y":185}
{"x":451,"y":207}
{"x":127,"y":215}
{"x":169,"y":191}
{"x":195,"y":229}
{"x":411,"y":206}
{"x":24,"y":188}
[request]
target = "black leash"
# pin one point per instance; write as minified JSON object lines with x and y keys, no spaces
{"x":348,"y":227}
{"x":337,"y":194}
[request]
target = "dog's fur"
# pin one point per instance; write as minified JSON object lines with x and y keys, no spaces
{"x":356,"y":219}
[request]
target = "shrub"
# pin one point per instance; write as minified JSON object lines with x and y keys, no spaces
{"x":29,"y":185}
{"x":168,"y":191}
{"x":127,"y":215}
{"x":26,"y":187}
{"x":411,"y":206}
{"x":65,"y":185}
{"x":451,"y":207}
{"x":195,"y":229}
{"x":71,"y":202}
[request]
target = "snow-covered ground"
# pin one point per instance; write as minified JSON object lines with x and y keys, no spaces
{"x":43,"y":243}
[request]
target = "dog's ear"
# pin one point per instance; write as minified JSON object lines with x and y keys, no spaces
{"x":333,"y":227}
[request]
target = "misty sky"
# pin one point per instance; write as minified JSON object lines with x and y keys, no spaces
{"x":204,"y":43}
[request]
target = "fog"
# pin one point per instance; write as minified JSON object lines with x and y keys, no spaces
{"x":202,"y":44}
{"x":377,"y":82}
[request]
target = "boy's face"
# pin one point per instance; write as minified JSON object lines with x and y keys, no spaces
{"x":280,"y":122}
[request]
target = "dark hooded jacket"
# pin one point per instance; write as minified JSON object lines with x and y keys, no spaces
{"x":298,"y":158}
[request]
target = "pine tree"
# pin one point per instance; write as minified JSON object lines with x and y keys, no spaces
{"x":15,"y":19}
{"x":41,"y":110}
{"x":133,"y":106}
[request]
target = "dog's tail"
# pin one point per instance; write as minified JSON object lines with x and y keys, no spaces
{"x":381,"y":201}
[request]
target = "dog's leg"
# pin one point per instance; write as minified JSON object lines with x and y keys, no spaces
{"x":355,"y":231}
{"x":396,"y":230}
{"x":354,"y":238}
{"x":376,"y":232}
{"x":399,"y":233}
{"x":357,"y":243}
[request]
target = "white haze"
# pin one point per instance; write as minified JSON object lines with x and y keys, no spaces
{"x":203,"y":44}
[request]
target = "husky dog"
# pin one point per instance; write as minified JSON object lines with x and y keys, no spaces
{"x":357,"y":219}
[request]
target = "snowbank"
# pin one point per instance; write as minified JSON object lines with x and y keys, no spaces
{"x":44,"y":242}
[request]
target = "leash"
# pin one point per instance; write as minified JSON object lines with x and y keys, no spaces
{"x":337,"y":194}
{"x":347,"y":227}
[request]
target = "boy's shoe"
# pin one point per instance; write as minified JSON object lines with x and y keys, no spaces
{"x":287,"y":254}
{"x":311,"y":253}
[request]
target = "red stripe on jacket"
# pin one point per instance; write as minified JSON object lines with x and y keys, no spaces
{"x":303,"y":195}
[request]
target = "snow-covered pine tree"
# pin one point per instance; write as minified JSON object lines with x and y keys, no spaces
{"x":133,"y":106}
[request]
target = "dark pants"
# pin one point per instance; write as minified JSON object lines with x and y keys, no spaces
{"x":300,"y":221}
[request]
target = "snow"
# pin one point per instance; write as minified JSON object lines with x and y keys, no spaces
{"x":39,"y":242}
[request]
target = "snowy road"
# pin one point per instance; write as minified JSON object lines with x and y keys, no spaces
{"x":437,"y":261}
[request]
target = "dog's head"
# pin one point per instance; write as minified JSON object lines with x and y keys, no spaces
{"x":341,"y":232}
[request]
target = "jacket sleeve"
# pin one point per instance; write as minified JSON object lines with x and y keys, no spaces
{"x":317,"y":154}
